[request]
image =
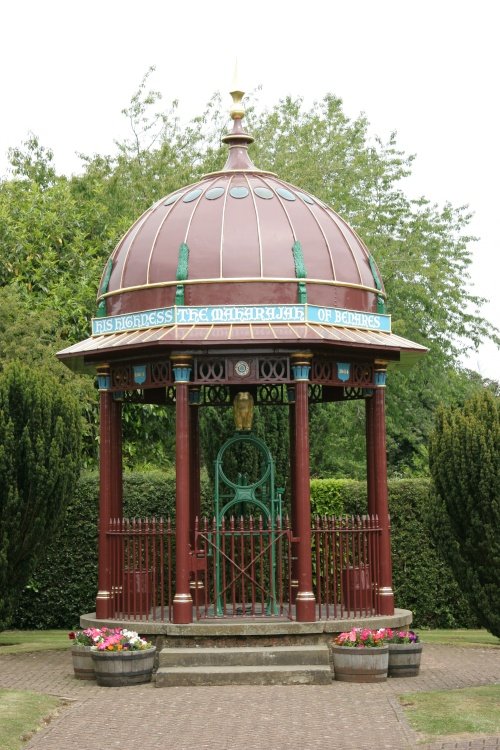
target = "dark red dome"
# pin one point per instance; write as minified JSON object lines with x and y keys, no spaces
{"x":240,"y":236}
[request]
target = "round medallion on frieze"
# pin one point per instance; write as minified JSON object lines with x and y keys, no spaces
{"x":242,"y":368}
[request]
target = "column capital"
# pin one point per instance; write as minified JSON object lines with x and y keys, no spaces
{"x":301,"y":365}
{"x":380,"y":373}
{"x":104,"y":377}
{"x":181,"y":365}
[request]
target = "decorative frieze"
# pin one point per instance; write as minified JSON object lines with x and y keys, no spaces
{"x":245,"y":371}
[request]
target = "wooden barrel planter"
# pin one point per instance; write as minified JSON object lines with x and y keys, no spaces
{"x":121,"y":668}
{"x":360,"y":664}
{"x":404,"y":659}
{"x":83,"y":665}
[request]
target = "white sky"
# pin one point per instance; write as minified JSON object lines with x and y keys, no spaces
{"x":428,"y":69}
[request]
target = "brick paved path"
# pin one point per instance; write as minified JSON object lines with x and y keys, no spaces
{"x":342,"y":716}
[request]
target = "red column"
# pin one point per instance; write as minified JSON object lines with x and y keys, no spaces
{"x":294,"y":583}
{"x":370,"y":463}
{"x":196,"y":585}
{"x":103,"y":600}
{"x":183,"y":603}
{"x":116,"y":457}
{"x":305,"y":601}
{"x":386,"y":594}
{"x":194,"y":465}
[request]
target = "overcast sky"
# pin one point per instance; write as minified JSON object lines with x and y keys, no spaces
{"x":428,"y":70}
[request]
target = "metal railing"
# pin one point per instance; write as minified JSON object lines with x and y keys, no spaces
{"x":142,"y":555}
{"x":346,"y":566}
{"x":244,"y":568}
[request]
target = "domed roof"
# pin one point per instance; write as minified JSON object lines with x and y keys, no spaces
{"x":240,"y":236}
{"x":239,"y":259}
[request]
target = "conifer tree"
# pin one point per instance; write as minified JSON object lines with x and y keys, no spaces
{"x":465,"y":467}
{"x":40,"y":428}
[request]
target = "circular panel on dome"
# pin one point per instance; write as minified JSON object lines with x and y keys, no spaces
{"x":192,"y":195}
{"x":238,"y":192}
{"x":214,"y":193}
{"x":306,"y":198}
{"x":263,"y":193}
{"x":286,"y":194}
{"x":171,"y":199}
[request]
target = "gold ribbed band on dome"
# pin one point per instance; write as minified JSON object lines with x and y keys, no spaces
{"x":242,"y":280}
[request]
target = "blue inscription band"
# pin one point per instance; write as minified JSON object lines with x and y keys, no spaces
{"x":234,"y":314}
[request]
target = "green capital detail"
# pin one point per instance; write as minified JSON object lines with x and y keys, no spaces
{"x":182,"y":272}
{"x":101,"y":307}
{"x":300,"y":271}
{"x":378,"y":284}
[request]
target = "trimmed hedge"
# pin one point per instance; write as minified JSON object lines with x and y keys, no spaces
{"x":422,"y":579}
{"x":64,"y":583}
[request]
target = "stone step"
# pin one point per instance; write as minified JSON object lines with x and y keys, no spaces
{"x":244,"y":656}
{"x":292,"y":674}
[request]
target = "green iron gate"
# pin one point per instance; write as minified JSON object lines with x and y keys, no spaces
{"x":241,"y":498}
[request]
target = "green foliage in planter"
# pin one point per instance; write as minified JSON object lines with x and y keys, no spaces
{"x":64,"y":583}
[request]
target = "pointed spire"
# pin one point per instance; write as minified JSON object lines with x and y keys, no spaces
{"x":237,"y":111}
{"x":237,"y":139}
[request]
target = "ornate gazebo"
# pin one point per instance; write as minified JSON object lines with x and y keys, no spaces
{"x":241,"y":287}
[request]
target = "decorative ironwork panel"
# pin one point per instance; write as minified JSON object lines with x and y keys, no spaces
{"x":322,"y":370}
{"x":161,"y":373}
{"x":315,"y":393}
{"x":351,"y":394}
{"x":270,"y":395}
{"x":362,"y":373}
{"x":275,"y":370}
{"x":121,"y":377}
{"x":216,"y":395}
{"x":333,"y":372}
{"x":209,"y":370}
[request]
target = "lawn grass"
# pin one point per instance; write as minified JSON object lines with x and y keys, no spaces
{"x":24,"y":641}
{"x":22,"y":713}
{"x":445,"y":712}
{"x":465,"y":638}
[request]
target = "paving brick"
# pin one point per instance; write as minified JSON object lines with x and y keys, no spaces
{"x":344,"y":716}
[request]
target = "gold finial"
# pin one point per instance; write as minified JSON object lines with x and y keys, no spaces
{"x":237,"y":110}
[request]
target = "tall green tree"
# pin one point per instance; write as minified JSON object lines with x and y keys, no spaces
{"x":40,"y":429}
{"x":56,"y":233}
{"x":465,"y":467}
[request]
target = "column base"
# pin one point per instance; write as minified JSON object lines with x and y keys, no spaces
{"x":305,"y":604}
{"x":182,"y":609}
{"x":386,"y":601}
{"x":104,"y":605}
{"x":197,"y":589}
